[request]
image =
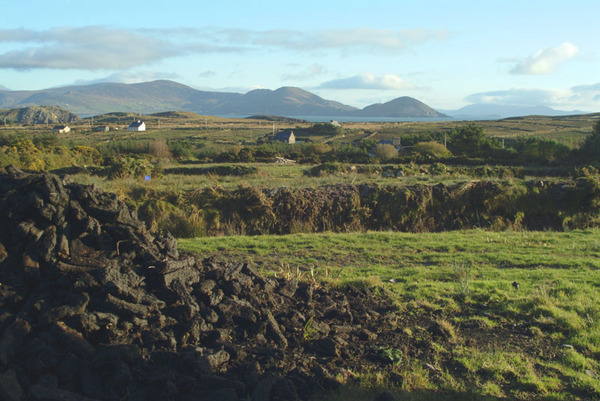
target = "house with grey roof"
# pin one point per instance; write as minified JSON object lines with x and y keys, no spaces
{"x":137,"y":126}
{"x":286,"y":136}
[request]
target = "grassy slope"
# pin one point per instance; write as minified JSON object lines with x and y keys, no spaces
{"x":501,"y":342}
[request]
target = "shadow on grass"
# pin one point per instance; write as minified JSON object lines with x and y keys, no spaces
{"x":352,"y":393}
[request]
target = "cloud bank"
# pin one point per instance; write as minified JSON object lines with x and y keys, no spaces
{"x":366,"y":39}
{"x":89,"y":48}
{"x":546,"y":61}
{"x":368,"y":81}
{"x":101,"y":47}
{"x":129,"y":77}
{"x":571,"y":97}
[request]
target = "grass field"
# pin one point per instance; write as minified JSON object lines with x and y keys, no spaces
{"x":521,"y":309}
{"x":570,"y":130}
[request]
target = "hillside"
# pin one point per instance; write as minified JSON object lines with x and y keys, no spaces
{"x":402,"y":107}
{"x":146,"y":98}
{"x":283,"y":101}
{"x":162,"y":96}
{"x":38,"y":115}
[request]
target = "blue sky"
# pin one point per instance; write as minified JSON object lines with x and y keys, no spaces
{"x":445,"y":53}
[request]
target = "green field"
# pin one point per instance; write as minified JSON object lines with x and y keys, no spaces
{"x":540,"y":341}
{"x":517,"y":313}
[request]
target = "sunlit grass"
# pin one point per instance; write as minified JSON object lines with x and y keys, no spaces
{"x":544,"y":285}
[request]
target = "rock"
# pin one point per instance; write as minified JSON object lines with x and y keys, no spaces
{"x":10,"y":388}
{"x":40,"y":393}
{"x":101,"y":310}
{"x":12,"y":339}
{"x":384,"y":396}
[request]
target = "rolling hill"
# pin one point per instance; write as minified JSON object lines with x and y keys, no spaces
{"x":401,"y":107}
{"x":163,"y":95}
{"x":38,"y":115}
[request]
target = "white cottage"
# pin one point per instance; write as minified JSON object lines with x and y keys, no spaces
{"x":61,"y":129}
{"x":137,"y":126}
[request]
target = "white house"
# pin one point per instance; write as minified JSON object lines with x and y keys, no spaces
{"x":137,"y":126}
{"x":61,"y":129}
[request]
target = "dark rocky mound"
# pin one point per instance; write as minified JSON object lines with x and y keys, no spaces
{"x":39,"y":115}
{"x":94,"y":308}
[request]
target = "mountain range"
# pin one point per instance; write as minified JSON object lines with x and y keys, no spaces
{"x":163,"y":95}
{"x":494,"y":111}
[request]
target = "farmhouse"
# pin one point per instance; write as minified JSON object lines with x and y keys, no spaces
{"x":137,"y":126}
{"x":102,"y":128}
{"x":286,"y":136}
{"x":396,"y":142}
{"x":61,"y":129}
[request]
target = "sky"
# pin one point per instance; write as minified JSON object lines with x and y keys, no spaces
{"x":447,"y":54}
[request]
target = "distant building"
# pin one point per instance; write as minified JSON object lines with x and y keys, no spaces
{"x":334,"y":123}
{"x":102,"y":128}
{"x":286,"y":136}
{"x":396,"y":142}
{"x":137,"y":126}
{"x":61,"y":129}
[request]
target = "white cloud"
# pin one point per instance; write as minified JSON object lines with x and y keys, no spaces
{"x":586,"y":93}
{"x":207,"y":74}
{"x":520,"y":97}
{"x":87,"y":48}
{"x":545,"y":61}
{"x":365,"y":39}
{"x":108,"y":48}
{"x":582,"y":96}
{"x":368,"y":81}
{"x":130,"y":77}
{"x":311,"y":71}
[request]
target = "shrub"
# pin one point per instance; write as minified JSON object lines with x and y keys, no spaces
{"x":88,"y":153}
{"x":432,"y":150}
{"x":159,"y":148}
{"x":181,"y":149}
{"x":590,"y":149}
{"x":123,"y":167}
{"x":326,"y":168}
{"x":385,"y":151}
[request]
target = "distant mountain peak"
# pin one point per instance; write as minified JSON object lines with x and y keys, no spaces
{"x":401,"y":107}
{"x":494,"y":110}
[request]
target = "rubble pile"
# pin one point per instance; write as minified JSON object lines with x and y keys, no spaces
{"x":92,"y":307}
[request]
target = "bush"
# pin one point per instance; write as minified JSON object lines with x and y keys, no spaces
{"x":326,"y":168}
{"x":159,"y":148}
{"x":432,"y":150}
{"x":590,"y":149}
{"x":181,"y":149}
{"x":124,"y":167}
{"x":541,"y":150}
{"x":385,"y":151}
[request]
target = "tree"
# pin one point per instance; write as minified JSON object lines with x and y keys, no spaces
{"x":590,"y":149}
{"x":433,"y":150}
{"x":469,"y":140}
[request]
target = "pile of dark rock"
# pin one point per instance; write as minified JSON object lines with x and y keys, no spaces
{"x":92,"y":307}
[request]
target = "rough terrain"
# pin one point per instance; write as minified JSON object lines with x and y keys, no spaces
{"x":92,"y":307}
